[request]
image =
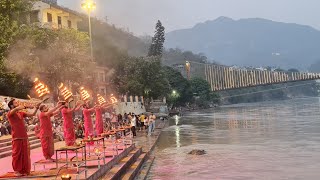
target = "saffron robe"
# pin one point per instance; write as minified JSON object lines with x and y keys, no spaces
{"x":21,"y":161}
{"x":46,"y":135}
{"x":99,"y":122}
{"x":68,"y":127}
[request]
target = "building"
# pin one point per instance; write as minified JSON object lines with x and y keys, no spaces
{"x":102,"y":80}
{"x":48,"y":14}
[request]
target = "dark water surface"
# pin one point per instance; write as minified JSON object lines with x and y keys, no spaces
{"x":271,"y":140}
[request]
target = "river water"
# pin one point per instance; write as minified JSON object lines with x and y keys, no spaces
{"x":269,"y":140}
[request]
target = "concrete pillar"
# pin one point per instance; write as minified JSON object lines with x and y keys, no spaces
{"x":125,"y":98}
{"x":142,"y":100}
{"x":164,"y":100}
{"x":136,"y":98}
{"x":131,"y":99}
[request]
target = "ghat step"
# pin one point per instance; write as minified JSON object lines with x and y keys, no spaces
{"x":134,"y":169}
{"x":144,"y":171}
{"x":123,"y":165}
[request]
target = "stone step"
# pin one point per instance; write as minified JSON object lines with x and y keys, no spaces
{"x":123,"y":165}
{"x":135,"y":168}
{"x":33,"y":145}
{"x":145,"y":169}
{"x":32,"y":140}
{"x":8,"y":143}
{"x":8,"y":138}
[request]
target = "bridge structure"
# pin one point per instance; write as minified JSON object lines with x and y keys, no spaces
{"x":223,"y":78}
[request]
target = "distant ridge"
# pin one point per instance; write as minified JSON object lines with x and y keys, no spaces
{"x":251,"y":42}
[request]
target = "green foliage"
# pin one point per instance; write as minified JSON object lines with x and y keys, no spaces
{"x":271,"y":92}
{"x":179,"y":85}
{"x":177,"y":56}
{"x":111,"y":44}
{"x":204,"y":96}
{"x":11,"y":84}
{"x":140,"y":76}
{"x":156,"y":47}
{"x":55,"y":55}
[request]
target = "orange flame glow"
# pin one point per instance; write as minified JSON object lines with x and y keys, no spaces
{"x":84,"y":94}
{"x":113,"y":99}
{"x":41,"y":88}
{"x":65,"y":92}
{"x":101,"y":99}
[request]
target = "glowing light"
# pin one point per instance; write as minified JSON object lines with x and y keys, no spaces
{"x":41,"y":88}
{"x":101,"y":99}
{"x":65,"y":92}
{"x":113,"y":99}
{"x":88,"y":5}
{"x":84,"y":94}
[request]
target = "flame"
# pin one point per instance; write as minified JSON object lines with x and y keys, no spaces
{"x":84,"y":94}
{"x":101,"y":99}
{"x":65,"y":92}
{"x":113,"y":99}
{"x":40,"y":88}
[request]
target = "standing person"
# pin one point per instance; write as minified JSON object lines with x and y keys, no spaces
{"x":21,"y":162}
{"x":68,"y":126}
{"x":142,"y":118}
{"x":5,"y":105}
{"x":99,"y":121}
{"x":46,"y":133}
{"x":133,"y":122}
{"x":88,"y":126}
{"x":152,"y":123}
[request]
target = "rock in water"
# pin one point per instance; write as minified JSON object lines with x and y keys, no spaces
{"x":197,"y":152}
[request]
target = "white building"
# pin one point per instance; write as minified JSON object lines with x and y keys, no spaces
{"x":49,"y":15}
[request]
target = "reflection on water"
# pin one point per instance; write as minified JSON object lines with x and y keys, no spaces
{"x":273,"y":140}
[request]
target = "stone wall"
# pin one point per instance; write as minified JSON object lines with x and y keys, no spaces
{"x":128,"y":104}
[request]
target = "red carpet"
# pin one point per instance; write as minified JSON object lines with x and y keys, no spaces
{"x":42,"y":173}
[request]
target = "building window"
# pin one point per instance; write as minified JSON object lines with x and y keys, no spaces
{"x":49,"y":17}
{"x":59,"y":22}
{"x":69,"y":24}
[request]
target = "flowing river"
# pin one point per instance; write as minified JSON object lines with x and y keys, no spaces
{"x":270,"y":140}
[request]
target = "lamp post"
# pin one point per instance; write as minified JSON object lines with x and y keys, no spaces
{"x":89,"y":6}
{"x":188,"y":69}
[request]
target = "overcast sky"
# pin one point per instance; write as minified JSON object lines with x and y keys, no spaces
{"x":140,"y":16}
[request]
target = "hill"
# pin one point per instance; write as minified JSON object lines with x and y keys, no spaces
{"x":250,"y":42}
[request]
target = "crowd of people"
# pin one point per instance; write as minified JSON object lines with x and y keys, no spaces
{"x":62,"y":122}
{"x":139,"y":122}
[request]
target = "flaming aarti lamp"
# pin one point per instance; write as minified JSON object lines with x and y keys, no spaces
{"x":41,"y":89}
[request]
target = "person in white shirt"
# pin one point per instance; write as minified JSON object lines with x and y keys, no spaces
{"x":152,"y":123}
{"x":5,"y":105}
{"x":133,"y":122}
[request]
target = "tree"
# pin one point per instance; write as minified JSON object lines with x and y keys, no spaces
{"x":11,"y":84}
{"x":201,"y":89}
{"x":180,"y":88}
{"x":57,"y":56}
{"x":156,"y":47}
{"x":140,"y":76}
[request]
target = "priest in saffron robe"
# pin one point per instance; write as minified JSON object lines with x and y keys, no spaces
{"x":99,"y":121}
{"x":88,"y":126}
{"x":68,"y":126}
{"x":46,"y":133}
{"x":21,"y":162}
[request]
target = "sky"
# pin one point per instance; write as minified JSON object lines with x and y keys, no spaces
{"x":140,"y":16}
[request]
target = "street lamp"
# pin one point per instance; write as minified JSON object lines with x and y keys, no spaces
{"x":174,"y":92}
{"x":188,"y":69}
{"x":89,"y":6}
